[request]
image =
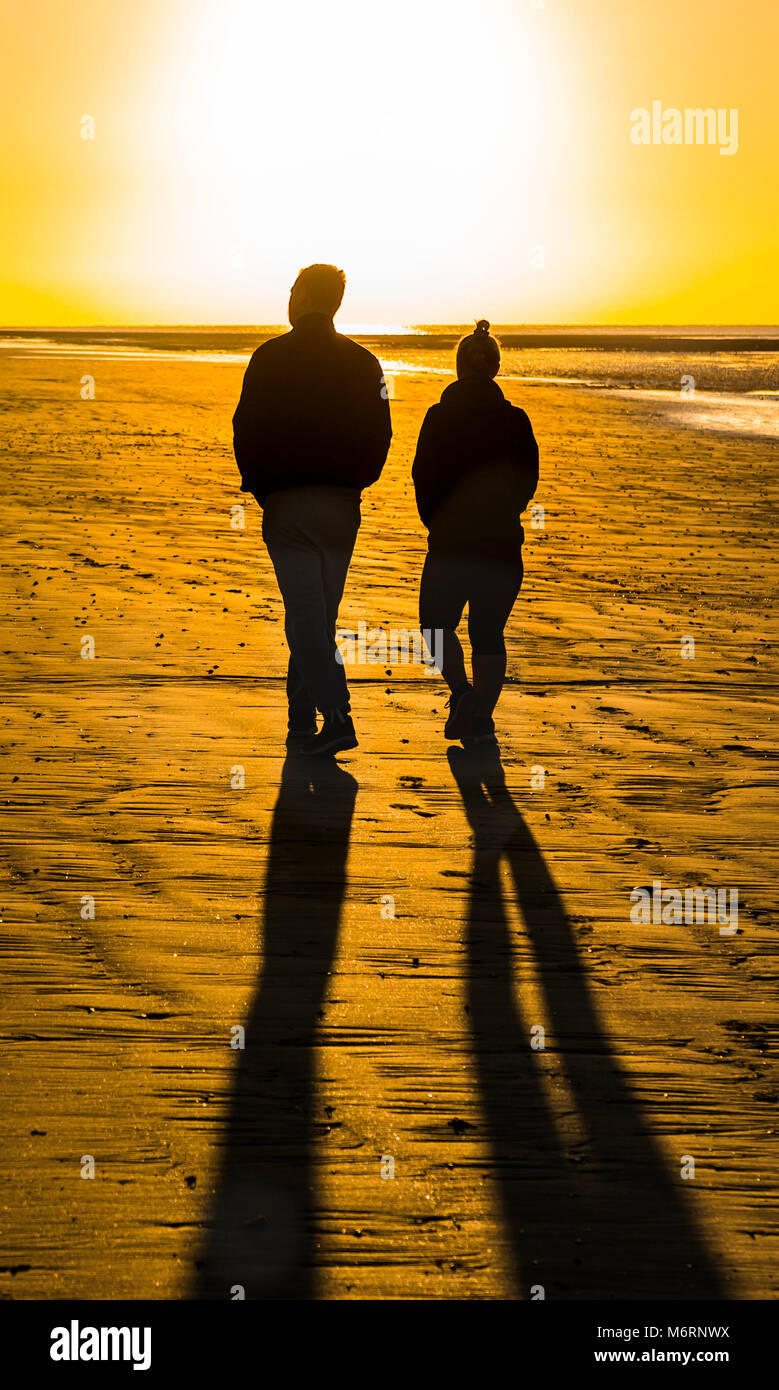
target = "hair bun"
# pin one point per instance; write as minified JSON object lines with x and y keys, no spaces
{"x":483,"y":326}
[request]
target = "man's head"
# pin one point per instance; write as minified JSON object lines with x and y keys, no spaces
{"x":318,"y":289}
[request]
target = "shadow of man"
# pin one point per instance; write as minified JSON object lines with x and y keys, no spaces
{"x":610,"y":1221}
{"x":261,"y":1233}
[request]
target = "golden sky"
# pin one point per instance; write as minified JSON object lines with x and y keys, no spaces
{"x":456,"y":159}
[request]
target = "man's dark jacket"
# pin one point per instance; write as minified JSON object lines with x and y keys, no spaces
{"x":313,"y":409}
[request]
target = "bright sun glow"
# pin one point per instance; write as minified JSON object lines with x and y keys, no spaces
{"x":458,"y":159}
{"x":393,"y":142}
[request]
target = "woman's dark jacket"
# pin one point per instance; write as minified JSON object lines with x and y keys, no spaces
{"x":476,"y":465}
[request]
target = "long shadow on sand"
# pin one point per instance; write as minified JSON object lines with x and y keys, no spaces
{"x":605,"y":1218}
{"x":261,"y":1225}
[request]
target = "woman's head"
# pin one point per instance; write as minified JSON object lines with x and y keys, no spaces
{"x":478,"y":353}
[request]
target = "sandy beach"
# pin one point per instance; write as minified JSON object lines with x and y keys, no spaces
{"x":391,"y":934}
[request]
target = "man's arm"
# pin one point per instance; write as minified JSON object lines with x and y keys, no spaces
{"x":376,"y":423}
{"x":248,"y":423}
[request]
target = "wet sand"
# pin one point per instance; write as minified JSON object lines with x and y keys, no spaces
{"x":372,"y":1037}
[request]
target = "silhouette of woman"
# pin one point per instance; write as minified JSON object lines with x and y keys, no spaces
{"x":475,"y":470}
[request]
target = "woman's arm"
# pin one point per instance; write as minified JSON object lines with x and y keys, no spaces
{"x":526,"y":455}
{"x":425,"y":467}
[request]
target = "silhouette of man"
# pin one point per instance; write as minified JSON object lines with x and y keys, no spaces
{"x":311,"y":430}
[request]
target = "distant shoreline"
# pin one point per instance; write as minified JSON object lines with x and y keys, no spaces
{"x":235,"y":338}
{"x":673,"y":365}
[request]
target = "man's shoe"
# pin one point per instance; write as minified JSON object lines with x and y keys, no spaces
{"x":335,"y":736}
{"x":460,"y":702}
{"x":301,"y":724}
{"x":482,"y":730}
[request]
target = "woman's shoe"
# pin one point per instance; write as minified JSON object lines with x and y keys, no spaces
{"x":482,"y":730}
{"x":460,"y":702}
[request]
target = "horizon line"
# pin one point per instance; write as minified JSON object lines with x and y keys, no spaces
{"x":371,"y":327}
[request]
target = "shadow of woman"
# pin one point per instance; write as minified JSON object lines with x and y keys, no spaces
{"x":261,"y":1226}
{"x":609,"y":1221}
